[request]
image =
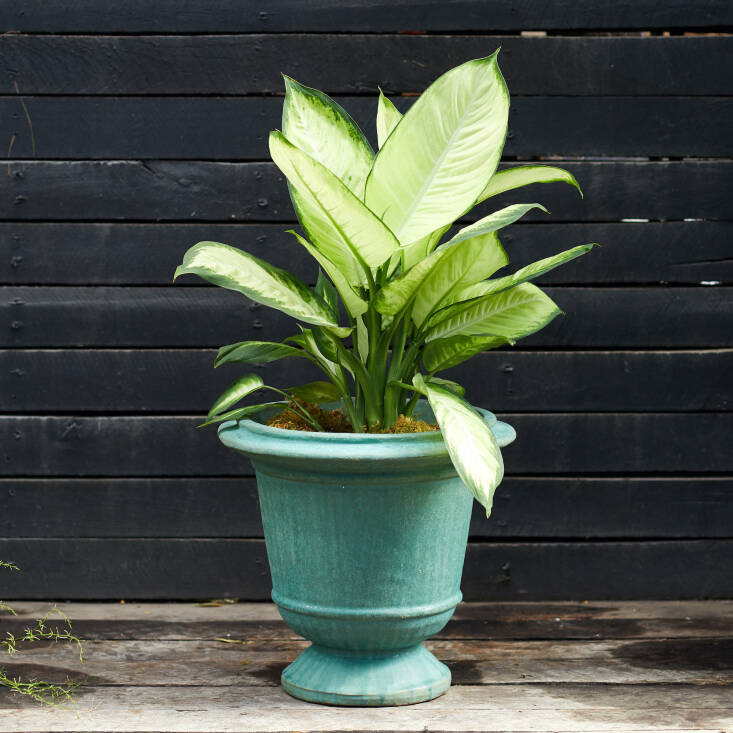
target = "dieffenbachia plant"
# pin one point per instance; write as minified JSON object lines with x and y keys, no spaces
{"x":393,"y":304}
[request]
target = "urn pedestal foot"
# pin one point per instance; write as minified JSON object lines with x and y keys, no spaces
{"x":366,"y":678}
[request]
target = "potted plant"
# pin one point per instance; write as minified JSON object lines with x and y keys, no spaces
{"x":365,"y":522}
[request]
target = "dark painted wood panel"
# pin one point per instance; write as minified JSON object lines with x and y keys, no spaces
{"x":205,"y":128}
{"x":533,"y":508}
{"x":203,"y":568}
{"x":231,"y":64}
{"x":548,"y":443}
{"x":622,"y":570}
{"x":228,"y":16}
{"x":206,"y":316}
{"x":146,"y":254}
{"x":216,"y":191}
{"x":184,"y":381}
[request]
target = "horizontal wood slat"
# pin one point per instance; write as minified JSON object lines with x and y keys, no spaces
{"x":532,"y":508}
{"x":184,"y":381}
{"x":216,"y":191}
{"x":207,"y":663}
{"x":211,"y":128}
{"x":582,"y":706}
{"x":202,"y":568}
{"x":548,"y":443}
{"x":146,"y":254}
{"x":211,"y":317}
{"x":261,"y":624}
{"x":228,"y":16}
{"x":231,"y":64}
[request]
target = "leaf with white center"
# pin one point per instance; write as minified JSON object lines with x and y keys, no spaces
{"x":419,"y":250}
{"x":307,"y":341}
{"x":471,"y":444}
{"x":433,"y":279}
{"x":362,"y":339}
{"x":511,"y":314}
{"x":260,"y":281}
{"x":316,"y":392}
{"x":255,"y":352}
{"x":325,"y":289}
{"x":437,"y":160}
{"x":524,"y":274}
{"x":334,"y":218}
{"x":495,"y":221}
{"x":242,"y":412}
{"x":445,"y":353}
{"x":387,"y":118}
{"x":313,"y":122}
{"x":524,"y":175}
{"x":234,"y":392}
{"x":448,"y":384}
{"x":354,"y":303}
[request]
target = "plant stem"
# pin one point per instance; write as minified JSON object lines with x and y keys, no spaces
{"x":303,"y":412}
{"x":391,"y":394}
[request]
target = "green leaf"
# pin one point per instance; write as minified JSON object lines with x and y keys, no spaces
{"x":323,"y":129}
{"x":523,"y":274}
{"x":334,"y":218}
{"x":239,"y":390}
{"x":494,"y":222}
{"x":231,"y":268}
{"x":255,"y":352}
{"x":445,"y":353}
{"x":242,"y":412}
{"x":523,"y":175}
{"x":448,"y":269}
{"x":418,"y":250}
{"x":325,"y":290}
{"x":316,"y":392}
{"x":387,"y":118}
{"x":308,"y":342}
{"x":448,"y":384}
{"x":354,"y":303}
{"x":325,"y":345}
{"x":437,"y":160}
{"x":512,"y":314}
{"x":471,"y":444}
{"x":362,"y":339}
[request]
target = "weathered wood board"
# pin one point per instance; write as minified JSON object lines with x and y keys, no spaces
{"x":182,"y":667}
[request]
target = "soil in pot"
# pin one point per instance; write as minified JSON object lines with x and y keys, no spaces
{"x":334,"y":421}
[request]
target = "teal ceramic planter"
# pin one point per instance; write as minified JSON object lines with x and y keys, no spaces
{"x":366,"y":537}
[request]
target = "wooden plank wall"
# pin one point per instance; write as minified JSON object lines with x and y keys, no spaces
{"x":135,"y":129}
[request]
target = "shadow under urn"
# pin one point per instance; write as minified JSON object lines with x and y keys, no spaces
{"x":366,"y":537}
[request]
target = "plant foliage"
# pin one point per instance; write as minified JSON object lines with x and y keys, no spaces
{"x":396,"y":299}
{"x":49,"y":693}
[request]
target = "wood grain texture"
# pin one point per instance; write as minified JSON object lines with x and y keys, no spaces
{"x":214,"y":664}
{"x":226,"y":192}
{"x":184,"y":381}
{"x":569,"y":666}
{"x":235,"y":64}
{"x":207,"y":568}
{"x":524,"y":507}
{"x":204,"y":316}
{"x":674,"y":252}
{"x":548,"y":443}
{"x":260,"y":623}
{"x":210,"y":128}
{"x":586,"y":708}
{"x":228,"y":16}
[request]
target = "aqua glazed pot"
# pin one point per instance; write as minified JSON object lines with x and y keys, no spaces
{"x":366,"y":537}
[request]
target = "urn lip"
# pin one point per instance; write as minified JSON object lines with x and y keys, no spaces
{"x":254,"y":438}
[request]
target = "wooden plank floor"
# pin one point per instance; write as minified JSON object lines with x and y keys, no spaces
{"x":575,"y":666}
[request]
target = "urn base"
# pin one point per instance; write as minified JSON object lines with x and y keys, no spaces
{"x":366,"y":678}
